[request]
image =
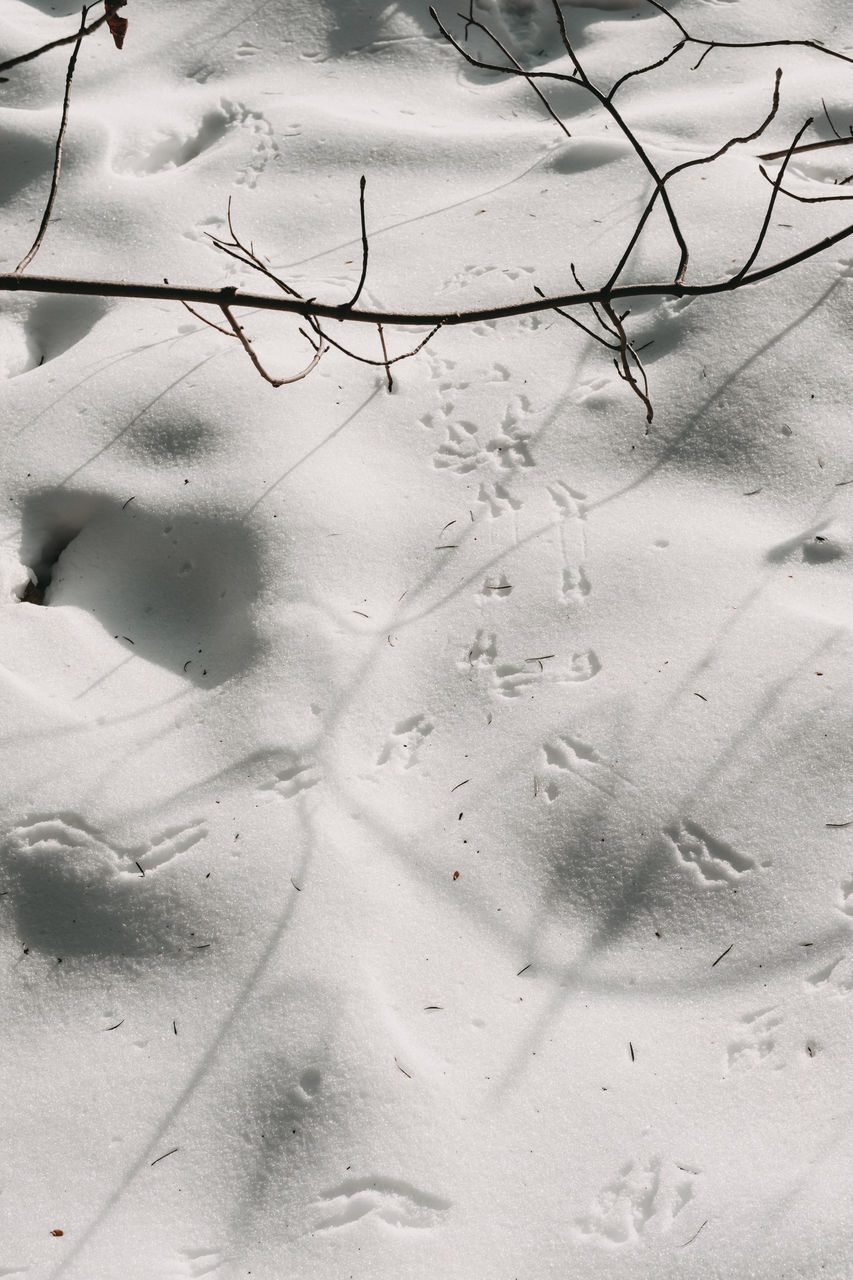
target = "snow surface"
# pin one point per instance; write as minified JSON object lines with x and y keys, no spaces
{"x":421,"y":849}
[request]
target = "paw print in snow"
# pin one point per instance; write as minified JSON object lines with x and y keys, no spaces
{"x":642,"y":1196}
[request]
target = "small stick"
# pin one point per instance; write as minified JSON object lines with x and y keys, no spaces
{"x":722,"y":957}
{"x":364,"y":245}
{"x":458,"y":785}
{"x":163,"y":1156}
{"x":385,"y":357}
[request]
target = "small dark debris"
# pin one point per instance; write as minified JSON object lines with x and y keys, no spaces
{"x":723,"y":955}
{"x":163,"y":1156}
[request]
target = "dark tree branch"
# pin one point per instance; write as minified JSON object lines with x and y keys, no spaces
{"x":308,"y":307}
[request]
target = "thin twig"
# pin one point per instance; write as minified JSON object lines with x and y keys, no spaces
{"x":623,"y":364}
{"x":808,"y":146}
{"x":319,"y":351}
{"x":385,"y":355}
{"x":54,"y":44}
{"x":746,"y":44}
{"x":353,"y":355}
{"x":365,"y":249}
{"x":628,"y":134}
{"x":688,"y":164}
{"x":530,"y":77}
{"x":771,"y":202}
{"x":596,"y":337}
{"x":60,"y":138}
{"x":641,"y":71}
{"x":247,"y":255}
{"x":229,"y":333}
{"x":804,"y":199}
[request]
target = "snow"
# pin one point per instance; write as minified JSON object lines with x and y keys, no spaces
{"x":423,"y":845}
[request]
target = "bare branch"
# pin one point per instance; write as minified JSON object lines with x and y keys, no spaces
{"x":60,"y":138}
{"x":229,"y":333}
{"x":808,"y":146}
{"x":596,"y":337}
{"x":628,"y":134}
{"x":747,"y":44}
{"x":623,"y":364}
{"x":771,"y":202}
{"x":641,"y":71}
{"x":319,"y":351}
{"x":385,"y":355}
{"x":804,"y":199}
{"x":687,"y":164}
{"x":444,"y":319}
{"x":353,"y":355}
{"x":516,"y":66}
{"x":235,"y":248}
{"x":829,"y":121}
{"x":364,"y":245}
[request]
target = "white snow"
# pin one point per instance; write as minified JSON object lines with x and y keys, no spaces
{"x":423,"y":843}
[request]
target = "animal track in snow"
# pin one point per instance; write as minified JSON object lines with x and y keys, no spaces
{"x":76,"y":892}
{"x":593,"y":390}
{"x":755,"y":1041}
{"x":389,"y":1199}
{"x":714,"y":861}
{"x":473,"y":274}
{"x":297,"y":776}
{"x":465,"y":450}
{"x":569,"y":515}
{"x":496,"y":587}
{"x":199,"y":1264}
{"x":172,"y":150}
{"x":497,"y":498}
{"x":837,"y":976}
{"x":846,"y":904}
{"x":572,"y":755}
{"x":405,"y":741}
{"x":642,"y":1195}
{"x":512,"y":679}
